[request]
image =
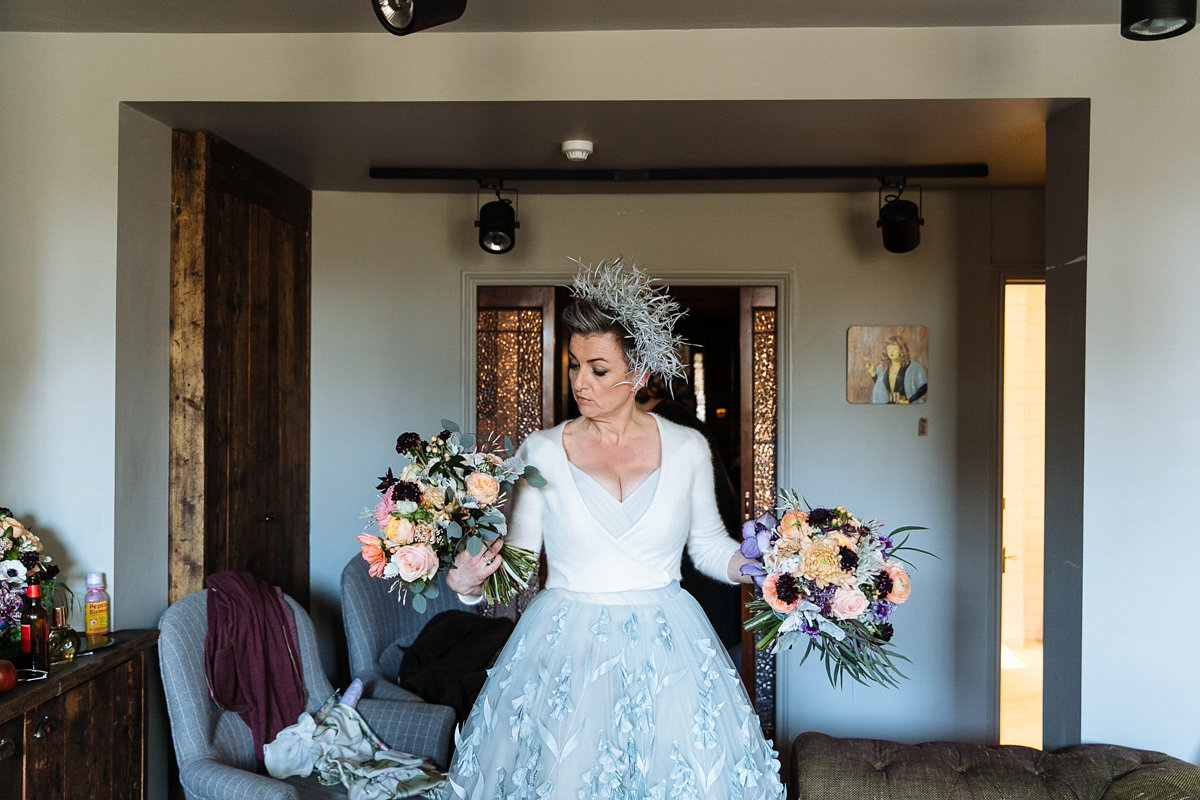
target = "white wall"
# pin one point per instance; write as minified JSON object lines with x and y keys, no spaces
{"x":388,"y":356}
{"x":58,"y":275}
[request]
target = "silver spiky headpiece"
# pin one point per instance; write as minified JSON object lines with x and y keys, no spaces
{"x":629,"y":297}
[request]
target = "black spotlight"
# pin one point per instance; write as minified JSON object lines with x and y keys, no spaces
{"x":900,"y":220}
{"x":497,"y":224}
{"x":1150,"y":20}
{"x":409,"y":16}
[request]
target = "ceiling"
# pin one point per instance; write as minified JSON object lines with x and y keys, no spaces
{"x":319,"y":16}
{"x":331,"y":146}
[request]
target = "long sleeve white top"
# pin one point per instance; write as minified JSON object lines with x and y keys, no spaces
{"x":583,"y":556}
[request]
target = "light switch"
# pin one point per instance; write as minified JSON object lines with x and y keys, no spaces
{"x":922,"y":427}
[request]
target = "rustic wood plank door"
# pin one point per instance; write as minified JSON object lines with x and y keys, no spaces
{"x":239,"y":417}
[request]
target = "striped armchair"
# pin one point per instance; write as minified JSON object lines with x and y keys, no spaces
{"x":213,"y":747}
{"x":378,"y":628}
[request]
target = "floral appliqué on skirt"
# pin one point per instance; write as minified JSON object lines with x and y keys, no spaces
{"x":624,"y":695}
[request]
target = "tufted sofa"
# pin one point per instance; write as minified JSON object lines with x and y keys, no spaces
{"x":829,"y":768}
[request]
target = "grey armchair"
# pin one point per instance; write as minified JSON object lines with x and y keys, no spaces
{"x":378,"y":627}
{"x":213,"y":747}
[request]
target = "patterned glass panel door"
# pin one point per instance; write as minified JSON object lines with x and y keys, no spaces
{"x":514,"y":389}
{"x":760,"y":415}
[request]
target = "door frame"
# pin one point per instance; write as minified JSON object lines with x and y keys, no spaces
{"x":473,"y":280}
{"x":1004,"y":275}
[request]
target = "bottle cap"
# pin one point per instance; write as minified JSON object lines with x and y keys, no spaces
{"x":95,"y":579}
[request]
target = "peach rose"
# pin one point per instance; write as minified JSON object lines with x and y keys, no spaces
{"x":399,"y":531}
{"x":848,"y":603}
{"x":432,"y":497}
{"x":842,"y":540}
{"x":372,"y":553}
{"x":793,"y":524}
{"x":416,"y":562}
{"x":901,"y":584}
{"x":483,"y":488}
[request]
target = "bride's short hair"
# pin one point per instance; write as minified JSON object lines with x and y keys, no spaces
{"x":584,"y":318}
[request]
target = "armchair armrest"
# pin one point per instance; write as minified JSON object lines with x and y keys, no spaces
{"x":377,"y":687}
{"x":421,"y":729}
{"x":213,"y":780}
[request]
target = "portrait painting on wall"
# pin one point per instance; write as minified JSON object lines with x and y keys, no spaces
{"x":887,"y":364}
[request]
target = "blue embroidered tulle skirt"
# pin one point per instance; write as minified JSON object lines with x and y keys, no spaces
{"x":619,"y":695}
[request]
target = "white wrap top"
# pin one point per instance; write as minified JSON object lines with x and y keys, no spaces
{"x":581,"y":553}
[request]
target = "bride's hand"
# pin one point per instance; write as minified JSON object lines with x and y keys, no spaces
{"x":470,"y":571}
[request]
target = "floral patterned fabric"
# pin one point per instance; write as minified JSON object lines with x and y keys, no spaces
{"x":614,"y":696}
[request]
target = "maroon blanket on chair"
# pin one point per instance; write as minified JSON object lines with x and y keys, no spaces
{"x":251,"y":654}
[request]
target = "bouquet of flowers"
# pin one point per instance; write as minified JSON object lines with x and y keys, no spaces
{"x":448,"y":498}
{"x":20,"y":558}
{"x":830,"y":579}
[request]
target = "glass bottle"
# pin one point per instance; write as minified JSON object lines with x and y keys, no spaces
{"x":95,"y":606}
{"x":35,"y":628}
{"x":64,"y":641}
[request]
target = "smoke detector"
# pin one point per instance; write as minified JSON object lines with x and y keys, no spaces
{"x":577,"y":149}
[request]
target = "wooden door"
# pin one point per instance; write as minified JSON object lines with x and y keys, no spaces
{"x":760,"y":414}
{"x":239,"y":418}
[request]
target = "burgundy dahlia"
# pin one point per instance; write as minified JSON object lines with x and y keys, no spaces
{"x":406,"y":490}
{"x":883,"y":584}
{"x":849,"y":558}
{"x":820,"y":517}
{"x":407,"y":441}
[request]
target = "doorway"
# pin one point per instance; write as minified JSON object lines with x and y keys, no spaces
{"x":730,"y":394}
{"x":1023,"y":512}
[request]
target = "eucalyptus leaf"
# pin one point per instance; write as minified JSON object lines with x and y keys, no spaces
{"x":508,"y":445}
{"x":533,"y":477}
{"x":450,"y":426}
{"x":453,"y":530}
{"x":431,"y":591}
{"x":474,"y":545}
{"x":468,"y":441}
{"x":418,"y":603}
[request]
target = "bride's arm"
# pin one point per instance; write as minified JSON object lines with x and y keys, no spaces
{"x":709,"y":545}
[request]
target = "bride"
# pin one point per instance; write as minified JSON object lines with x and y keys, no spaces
{"x":613,"y":684}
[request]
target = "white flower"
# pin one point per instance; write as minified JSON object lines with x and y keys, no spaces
{"x":12,"y":570}
{"x":405,"y":507}
{"x":5,"y":544}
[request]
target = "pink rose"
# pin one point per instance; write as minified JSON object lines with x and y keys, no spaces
{"x":399,"y":531}
{"x":483,"y":488}
{"x":416,"y":562}
{"x":384,"y":508}
{"x":901,"y":584}
{"x":848,"y":603}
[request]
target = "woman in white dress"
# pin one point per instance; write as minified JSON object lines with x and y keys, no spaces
{"x":613,"y":684}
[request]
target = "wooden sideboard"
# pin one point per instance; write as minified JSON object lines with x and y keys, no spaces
{"x":81,"y":732}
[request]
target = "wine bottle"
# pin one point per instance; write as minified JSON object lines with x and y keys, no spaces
{"x":35,"y":628}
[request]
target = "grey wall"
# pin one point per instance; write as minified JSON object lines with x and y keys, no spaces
{"x":389,"y":353}
{"x":143,"y":331}
{"x":1067,"y":142}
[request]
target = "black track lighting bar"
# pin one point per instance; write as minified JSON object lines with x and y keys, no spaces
{"x":491,"y":176}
